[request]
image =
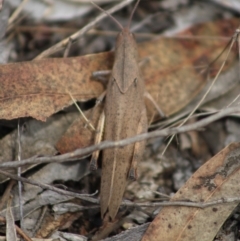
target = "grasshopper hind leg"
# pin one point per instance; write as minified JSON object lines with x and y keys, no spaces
{"x":138,"y":147}
{"x":99,"y":132}
{"x":97,"y":140}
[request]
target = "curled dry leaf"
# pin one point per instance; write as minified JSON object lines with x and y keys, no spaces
{"x":173,"y":74}
{"x":216,"y":179}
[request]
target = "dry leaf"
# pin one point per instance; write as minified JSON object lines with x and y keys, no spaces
{"x":175,"y":75}
{"x":34,"y":198}
{"x":79,"y":134}
{"x":216,"y":179}
{"x":40,"y":88}
{"x":37,"y":138}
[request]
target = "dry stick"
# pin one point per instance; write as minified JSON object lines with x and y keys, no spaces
{"x":19,"y":230}
{"x":14,"y":16}
{"x":86,"y":197}
{"x":72,"y":30}
{"x":238,"y":41}
{"x":170,"y":123}
{"x":184,"y":203}
{"x":113,"y":33}
{"x":207,"y":92}
{"x":160,"y":194}
{"x":67,"y":49}
{"x":19,"y":171}
{"x":75,"y":155}
{"x":81,"y":113}
{"x":61,"y":45}
{"x":40,"y":220}
{"x":17,"y":12}
{"x":237,"y":34}
{"x":234,"y":100}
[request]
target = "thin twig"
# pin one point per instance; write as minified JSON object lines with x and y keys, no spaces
{"x":40,"y":220}
{"x":68,"y":47}
{"x":81,"y":113}
{"x":46,"y":29}
{"x":77,"y":154}
{"x":17,"y":12}
{"x":176,"y":120}
{"x":19,"y":171}
{"x":61,"y":45}
{"x":161,"y":194}
{"x":86,"y":197}
{"x":234,"y":100}
{"x":184,"y":203}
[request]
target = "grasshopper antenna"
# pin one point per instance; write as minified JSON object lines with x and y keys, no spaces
{"x":131,"y":16}
{"x":114,"y":19}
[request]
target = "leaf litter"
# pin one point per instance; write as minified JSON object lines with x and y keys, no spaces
{"x":43,"y":92}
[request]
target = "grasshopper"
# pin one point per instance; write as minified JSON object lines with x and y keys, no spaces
{"x":125,"y":116}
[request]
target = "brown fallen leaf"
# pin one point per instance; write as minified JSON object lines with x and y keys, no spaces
{"x":55,"y":222}
{"x":79,"y":134}
{"x":40,"y":88}
{"x":216,"y":179}
{"x":172,"y":73}
{"x":176,"y":79}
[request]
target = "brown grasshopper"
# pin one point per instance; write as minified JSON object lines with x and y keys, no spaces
{"x":125,"y":116}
